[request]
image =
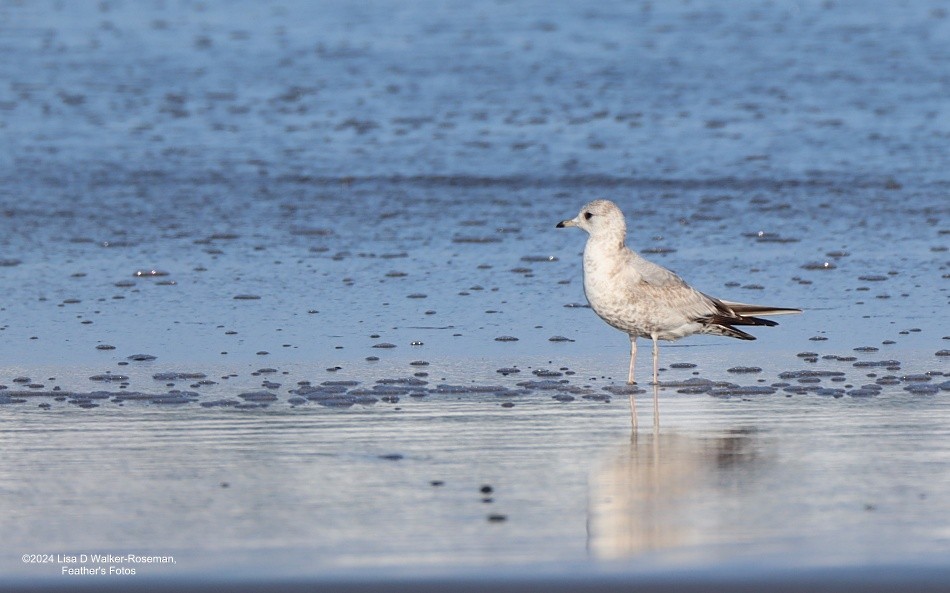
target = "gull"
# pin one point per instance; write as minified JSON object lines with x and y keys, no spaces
{"x":646,"y":300}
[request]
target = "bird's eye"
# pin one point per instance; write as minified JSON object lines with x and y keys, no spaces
{"x":587,"y":215}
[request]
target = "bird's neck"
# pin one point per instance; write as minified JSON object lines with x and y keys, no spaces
{"x":602,"y":253}
{"x":608,"y":242}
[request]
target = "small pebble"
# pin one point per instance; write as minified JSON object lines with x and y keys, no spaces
{"x":744,"y":370}
{"x":819,"y":266}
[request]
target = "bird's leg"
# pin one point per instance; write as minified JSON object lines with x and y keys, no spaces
{"x":656,"y":359}
{"x":630,"y":381}
{"x":633,"y":358}
{"x":656,"y":383}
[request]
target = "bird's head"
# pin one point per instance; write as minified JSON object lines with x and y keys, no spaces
{"x":600,"y":218}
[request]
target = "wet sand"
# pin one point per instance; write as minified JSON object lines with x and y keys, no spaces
{"x":283,"y":292}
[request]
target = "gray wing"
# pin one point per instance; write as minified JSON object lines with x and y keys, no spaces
{"x":642,"y":270}
{"x":674,"y":302}
{"x":666,"y":291}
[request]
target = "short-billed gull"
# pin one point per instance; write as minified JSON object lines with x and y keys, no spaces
{"x":646,"y":300}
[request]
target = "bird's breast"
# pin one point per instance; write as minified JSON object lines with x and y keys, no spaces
{"x":604,"y":286}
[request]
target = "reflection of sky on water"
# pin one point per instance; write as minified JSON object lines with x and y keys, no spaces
{"x":786,"y":481}
{"x":672,"y":491}
{"x":805,"y":486}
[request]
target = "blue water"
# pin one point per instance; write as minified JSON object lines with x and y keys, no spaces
{"x":377,"y":173}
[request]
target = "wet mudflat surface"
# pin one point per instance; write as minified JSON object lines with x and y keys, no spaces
{"x":283,"y":293}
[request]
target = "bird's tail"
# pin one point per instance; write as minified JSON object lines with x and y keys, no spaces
{"x":729,"y":314}
{"x":743,"y":309}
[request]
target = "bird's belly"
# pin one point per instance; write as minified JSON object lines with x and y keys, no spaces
{"x":640,"y":318}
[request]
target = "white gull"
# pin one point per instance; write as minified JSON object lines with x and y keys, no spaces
{"x":645,"y":300}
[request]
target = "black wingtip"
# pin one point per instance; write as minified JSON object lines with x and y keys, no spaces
{"x":559,"y":225}
{"x":716,"y":319}
{"x":728,"y":330}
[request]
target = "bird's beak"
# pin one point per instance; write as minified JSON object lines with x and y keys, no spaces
{"x":566,"y":223}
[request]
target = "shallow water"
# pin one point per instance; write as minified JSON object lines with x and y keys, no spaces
{"x":775,"y":481}
{"x":270,"y":198}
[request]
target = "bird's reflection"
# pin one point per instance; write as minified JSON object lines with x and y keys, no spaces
{"x":670,"y":490}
